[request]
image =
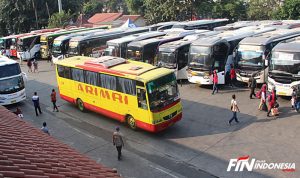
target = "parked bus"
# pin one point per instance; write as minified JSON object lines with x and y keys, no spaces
{"x":61,"y":43}
{"x":162,"y":26}
{"x":10,"y":43}
{"x":146,"y":50}
{"x":253,"y":53}
{"x":28,"y":47}
{"x":12,"y":87}
{"x":48,"y":39}
{"x":216,"y":53}
{"x":118,"y":47}
{"x":137,"y":93}
{"x":174,"y":55}
{"x":95,"y":44}
{"x":201,"y":24}
{"x":284,"y":70}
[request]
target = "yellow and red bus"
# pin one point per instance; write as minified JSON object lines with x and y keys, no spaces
{"x":140,"y":94}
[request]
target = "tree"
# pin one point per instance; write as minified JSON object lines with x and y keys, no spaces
{"x":289,"y":10}
{"x":262,"y":9}
{"x":232,"y":9}
{"x":59,"y":19}
{"x":92,"y":7}
{"x":116,"y":6}
{"x":136,"y":7}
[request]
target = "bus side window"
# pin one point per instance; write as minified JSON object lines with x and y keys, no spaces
{"x":141,"y":97}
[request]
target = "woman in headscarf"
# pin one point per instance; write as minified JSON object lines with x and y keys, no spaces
{"x":272,"y":101}
{"x":263,"y":95}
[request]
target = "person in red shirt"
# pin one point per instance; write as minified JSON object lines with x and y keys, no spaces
{"x":232,"y":75}
{"x":53,"y":100}
{"x":215,"y":82}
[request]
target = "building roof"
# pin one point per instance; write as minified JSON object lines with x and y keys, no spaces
{"x":104,"y":17}
{"x":25,"y":151}
{"x":130,"y":17}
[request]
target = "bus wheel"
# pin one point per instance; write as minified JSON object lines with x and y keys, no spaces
{"x":131,"y":122}
{"x":80,"y":105}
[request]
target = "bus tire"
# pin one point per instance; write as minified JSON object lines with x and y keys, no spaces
{"x":80,"y":105}
{"x":131,"y":122}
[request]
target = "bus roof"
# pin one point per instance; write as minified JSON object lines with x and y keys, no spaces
{"x":106,"y":33}
{"x":198,"y":22}
{"x":136,"y":37}
{"x":169,"y":36}
{"x":116,"y":66}
{"x":265,"y":38}
{"x":81,"y":33}
{"x":187,"y":40}
{"x":64,"y":31}
{"x":6,"y":61}
{"x":232,"y":35}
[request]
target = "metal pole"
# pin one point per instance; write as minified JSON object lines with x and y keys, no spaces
{"x":59,"y":6}
{"x":48,"y":10}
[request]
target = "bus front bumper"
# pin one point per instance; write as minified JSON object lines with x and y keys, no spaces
{"x":205,"y":80}
{"x":12,"y":98}
{"x":281,"y":89}
{"x":161,"y":126}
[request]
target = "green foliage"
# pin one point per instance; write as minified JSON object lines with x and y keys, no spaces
{"x":116,"y":6}
{"x":59,"y":19}
{"x":262,"y":9}
{"x":92,"y":7}
{"x":232,"y":9}
{"x":289,"y":10}
{"x":136,"y":7}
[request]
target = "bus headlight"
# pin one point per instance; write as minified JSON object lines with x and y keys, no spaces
{"x":206,"y":77}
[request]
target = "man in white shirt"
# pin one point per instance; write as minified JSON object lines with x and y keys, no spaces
{"x":234,"y":108}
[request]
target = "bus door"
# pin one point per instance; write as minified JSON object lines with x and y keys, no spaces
{"x":142,"y":113}
{"x":220,"y":53}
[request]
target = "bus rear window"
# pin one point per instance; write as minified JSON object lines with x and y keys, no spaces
{"x":9,"y":70}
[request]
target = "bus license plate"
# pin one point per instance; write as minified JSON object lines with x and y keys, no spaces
{"x":281,"y":93}
{"x":13,"y":101}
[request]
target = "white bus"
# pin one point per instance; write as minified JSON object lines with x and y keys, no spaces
{"x":174,"y":55}
{"x":12,"y":87}
{"x":253,"y":53}
{"x":216,"y":53}
{"x":284,"y":69}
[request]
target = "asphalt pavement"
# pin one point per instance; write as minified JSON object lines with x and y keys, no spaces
{"x":200,"y":145}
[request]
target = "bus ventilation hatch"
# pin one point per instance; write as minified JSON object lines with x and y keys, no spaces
{"x":106,"y":61}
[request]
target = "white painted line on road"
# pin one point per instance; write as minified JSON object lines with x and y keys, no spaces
{"x":83,"y":133}
{"x":164,"y":171}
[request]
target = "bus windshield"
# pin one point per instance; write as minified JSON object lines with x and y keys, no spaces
{"x":167,"y":59}
{"x":9,"y":70}
{"x":112,"y":50}
{"x":250,"y":58}
{"x":162,"y":91}
{"x":11,"y":85}
{"x":134,"y":54}
{"x":2,"y":43}
{"x":285,"y":62}
{"x":44,"y":43}
{"x":56,"y":49}
{"x":200,"y":57}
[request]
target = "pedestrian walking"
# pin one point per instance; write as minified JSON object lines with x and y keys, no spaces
{"x":234,"y":108}
{"x":7,"y":53}
{"x":252,"y":85}
{"x":232,"y":75}
{"x":29,"y":65}
{"x":45,"y":128}
{"x":215,"y":82}
{"x":118,"y":142}
{"x":53,"y":100}
{"x":263,"y":96}
{"x":35,"y":66}
{"x":272,"y":101}
{"x":36,"y":103}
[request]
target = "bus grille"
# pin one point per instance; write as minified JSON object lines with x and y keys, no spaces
{"x":170,"y":116}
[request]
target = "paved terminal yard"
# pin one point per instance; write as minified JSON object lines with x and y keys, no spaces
{"x":200,"y":145}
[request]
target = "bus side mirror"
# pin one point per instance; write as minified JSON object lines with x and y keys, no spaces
{"x":234,"y":54}
{"x":24,"y":75}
